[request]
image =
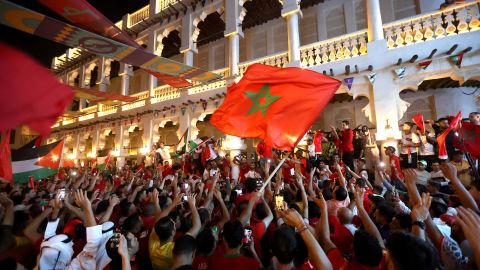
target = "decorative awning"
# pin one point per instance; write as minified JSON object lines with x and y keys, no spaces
{"x":99,"y":96}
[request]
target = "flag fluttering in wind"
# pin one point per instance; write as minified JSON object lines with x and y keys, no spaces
{"x":401,"y":72}
{"x":442,"y":148}
{"x":39,"y":162}
{"x":103,"y":162}
{"x":424,"y":64}
{"x":276,"y":104}
{"x":5,"y":162}
{"x":348,"y":82}
{"x":418,"y":120}
{"x":31,"y":94}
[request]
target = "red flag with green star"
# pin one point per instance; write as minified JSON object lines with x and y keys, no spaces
{"x":469,"y":136}
{"x":276,"y":104}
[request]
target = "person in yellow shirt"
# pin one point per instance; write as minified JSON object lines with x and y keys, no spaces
{"x":160,"y":243}
{"x":463,"y":168}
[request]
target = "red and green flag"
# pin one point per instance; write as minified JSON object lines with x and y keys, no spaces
{"x":418,"y":120}
{"x":442,"y":148}
{"x":103,"y":162}
{"x":275,"y":104}
{"x":424,"y":64}
{"x":38,"y":163}
{"x":457,"y":59}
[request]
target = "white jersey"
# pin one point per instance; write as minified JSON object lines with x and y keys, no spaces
{"x":426,"y":148}
{"x":410,"y":138}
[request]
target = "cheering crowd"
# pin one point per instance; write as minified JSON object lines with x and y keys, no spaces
{"x":331,"y":205}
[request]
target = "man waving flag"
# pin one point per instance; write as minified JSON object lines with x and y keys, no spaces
{"x":276,"y":104}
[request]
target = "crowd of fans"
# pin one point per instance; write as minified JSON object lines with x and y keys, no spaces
{"x":337,"y":208}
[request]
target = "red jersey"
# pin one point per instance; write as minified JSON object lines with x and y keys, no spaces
{"x":395,"y":167}
{"x":347,"y":140}
{"x":234,"y":262}
{"x":201,"y":262}
{"x":339,"y":262}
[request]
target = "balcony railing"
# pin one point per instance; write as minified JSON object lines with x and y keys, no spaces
{"x":454,"y":20}
{"x":277,"y":60}
{"x":106,"y":109}
{"x":142,"y":101}
{"x":138,"y":16}
{"x":91,"y":109}
{"x":224,"y":72}
{"x":163,"y":93}
{"x":331,"y":50}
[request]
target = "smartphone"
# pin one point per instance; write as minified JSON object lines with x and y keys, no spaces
{"x":381,"y":164}
{"x":62,"y":193}
{"x":279,"y":202}
{"x":292,"y":171}
{"x":185,"y":185}
{"x":116,"y":238}
{"x":150,"y":183}
{"x":282,"y":186}
{"x":394,"y":191}
{"x":247,"y":236}
{"x":184,"y":198}
{"x":238,"y":191}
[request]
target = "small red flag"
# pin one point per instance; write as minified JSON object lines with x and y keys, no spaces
{"x":442,"y":148}
{"x":418,"y":120}
{"x":317,"y":141}
{"x":31,"y":95}
{"x":5,"y":161}
{"x":276,"y":104}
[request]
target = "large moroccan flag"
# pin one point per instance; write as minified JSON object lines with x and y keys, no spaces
{"x":470,"y":133}
{"x":5,"y":162}
{"x":276,"y":104}
{"x":37,"y":162}
{"x":442,"y":148}
{"x":30,"y":94}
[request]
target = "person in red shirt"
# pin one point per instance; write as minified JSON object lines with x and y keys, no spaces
{"x":232,"y":259}
{"x":347,"y":144}
{"x":395,"y":170}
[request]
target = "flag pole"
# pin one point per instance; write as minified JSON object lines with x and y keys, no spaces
{"x":272,"y":174}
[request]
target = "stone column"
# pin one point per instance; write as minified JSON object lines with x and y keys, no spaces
{"x":187,"y":47}
{"x":291,"y":11}
{"x":233,"y":31}
{"x":81,"y":73}
{"x":125,"y":72}
{"x":103,"y":77}
{"x":152,"y":45}
{"x":76,"y":148}
{"x":95,"y":139}
{"x":374,"y":21}
{"x":119,"y":138}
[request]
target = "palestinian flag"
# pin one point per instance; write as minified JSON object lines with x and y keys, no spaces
{"x":194,"y":144}
{"x":39,"y":162}
{"x":102,"y":162}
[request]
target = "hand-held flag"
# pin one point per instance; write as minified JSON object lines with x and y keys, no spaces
{"x":276,"y":104}
{"x":442,"y":148}
{"x":418,"y":120}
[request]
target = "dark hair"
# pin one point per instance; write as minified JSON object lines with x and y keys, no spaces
{"x":205,"y":242}
{"x":404,"y":220}
{"x":164,"y":228}
{"x":475,"y":184}
{"x":102,"y":207}
{"x":233,"y":232}
{"x":125,"y":207}
{"x":346,"y":122}
{"x":284,"y":244}
{"x":411,"y":252}
{"x":313,"y":210}
{"x":204,"y":215}
{"x":261,"y":211}
{"x":341,"y":194}
{"x":386,"y":211}
{"x":130,"y":224}
{"x":184,"y":245}
{"x":250,"y":185}
{"x":367,"y":249}
{"x":438,"y":209}
{"x":361,"y":182}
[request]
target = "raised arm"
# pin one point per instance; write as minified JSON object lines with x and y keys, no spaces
{"x":301,"y":188}
{"x":322,"y":230}
{"x":197,"y":224}
{"x":450,"y":172}
{"x":223,"y":207}
{"x":82,"y":200}
{"x":112,"y":201}
{"x":7,"y":223}
{"x":315,"y":253}
{"x":341,"y":178}
{"x":410,"y":181}
{"x":366,"y":221}
{"x":247,"y":212}
{"x":420,"y":214}
{"x":31,"y":231}
{"x":470,"y":223}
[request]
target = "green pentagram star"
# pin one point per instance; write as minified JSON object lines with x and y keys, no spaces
{"x":256,"y":97}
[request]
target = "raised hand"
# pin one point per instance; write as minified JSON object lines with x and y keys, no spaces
{"x":293,"y":218}
{"x":449,"y":170}
{"x":5,"y":201}
{"x":114,"y":200}
{"x":320,"y":201}
{"x":82,"y":200}
{"x":359,"y":194}
{"x":122,"y":247}
{"x":420,"y":210}
{"x":410,"y":176}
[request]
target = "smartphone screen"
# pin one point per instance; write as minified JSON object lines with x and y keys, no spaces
{"x":184,"y":198}
{"x":292,"y":171}
{"x":279,"y":202}
{"x":62,"y":193}
{"x":247,"y":236}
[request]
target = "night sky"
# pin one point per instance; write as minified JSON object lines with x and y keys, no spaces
{"x":44,"y":50}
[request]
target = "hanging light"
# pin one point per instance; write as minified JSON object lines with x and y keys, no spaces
{"x":389,"y":131}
